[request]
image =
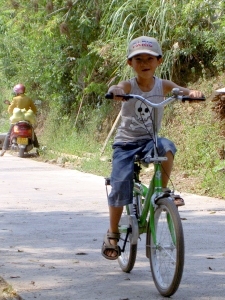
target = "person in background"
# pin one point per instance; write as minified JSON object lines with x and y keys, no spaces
{"x":20,"y":101}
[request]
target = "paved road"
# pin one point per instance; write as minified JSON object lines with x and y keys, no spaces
{"x":52,"y":222}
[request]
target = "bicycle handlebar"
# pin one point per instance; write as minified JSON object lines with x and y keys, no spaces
{"x":176,"y":96}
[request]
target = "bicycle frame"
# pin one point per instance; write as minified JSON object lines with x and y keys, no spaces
{"x":154,"y":190}
{"x":149,"y":194}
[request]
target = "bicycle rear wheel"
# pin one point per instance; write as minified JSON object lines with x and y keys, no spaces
{"x":167,"y":255}
{"x":128,"y":246}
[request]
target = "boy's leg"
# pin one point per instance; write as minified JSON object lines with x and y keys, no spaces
{"x":168,"y":149}
{"x":166,"y":171}
{"x":121,"y":194}
{"x":116,"y":212}
{"x":165,"y":148}
{"x":114,"y":218}
{"x":167,"y":168}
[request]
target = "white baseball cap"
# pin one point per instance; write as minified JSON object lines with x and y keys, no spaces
{"x":144,"y":44}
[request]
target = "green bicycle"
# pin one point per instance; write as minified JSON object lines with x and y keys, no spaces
{"x":153,"y":212}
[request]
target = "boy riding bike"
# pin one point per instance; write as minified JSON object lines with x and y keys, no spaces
{"x":134,"y":133}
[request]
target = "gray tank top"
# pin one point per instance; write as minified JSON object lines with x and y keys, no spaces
{"x":136,"y":117}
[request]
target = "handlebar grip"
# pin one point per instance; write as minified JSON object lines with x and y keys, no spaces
{"x":123,"y":97}
{"x":188,"y":98}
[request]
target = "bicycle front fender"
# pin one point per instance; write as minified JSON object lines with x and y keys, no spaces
{"x":128,"y":222}
{"x":135,"y":230}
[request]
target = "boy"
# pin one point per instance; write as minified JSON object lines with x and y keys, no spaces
{"x":144,"y":56}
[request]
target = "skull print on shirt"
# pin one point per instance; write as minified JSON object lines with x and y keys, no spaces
{"x":142,"y":118}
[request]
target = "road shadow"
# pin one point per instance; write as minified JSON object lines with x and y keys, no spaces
{"x":56,"y":255}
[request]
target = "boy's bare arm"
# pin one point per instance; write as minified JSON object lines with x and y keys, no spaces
{"x":169,"y":85}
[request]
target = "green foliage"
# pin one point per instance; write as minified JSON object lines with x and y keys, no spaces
{"x":198,"y":139}
{"x":59,"y":48}
{"x":46,"y":48}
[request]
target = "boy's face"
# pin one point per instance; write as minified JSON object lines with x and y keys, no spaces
{"x":144,"y":64}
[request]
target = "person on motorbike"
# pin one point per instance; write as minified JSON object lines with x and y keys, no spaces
{"x":20,"y":101}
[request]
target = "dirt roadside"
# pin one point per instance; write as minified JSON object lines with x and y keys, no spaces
{"x":7,"y":292}
{"x":52,"y":222}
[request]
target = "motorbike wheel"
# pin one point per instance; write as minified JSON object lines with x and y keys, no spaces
{"x":21,"y":152}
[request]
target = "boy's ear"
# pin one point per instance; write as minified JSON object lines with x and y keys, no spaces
{"x":129,"y":62}
{"x":160,"y":60}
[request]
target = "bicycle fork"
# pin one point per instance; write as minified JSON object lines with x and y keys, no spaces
{"x":129,"y":224}
{"x":129,"y":230}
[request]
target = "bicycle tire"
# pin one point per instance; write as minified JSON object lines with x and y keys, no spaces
{"x":128,"y":257}
{"x":166,"y":258}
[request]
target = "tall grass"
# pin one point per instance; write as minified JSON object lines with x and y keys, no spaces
{"x":197,"y":135}
{"x":82,"y":146}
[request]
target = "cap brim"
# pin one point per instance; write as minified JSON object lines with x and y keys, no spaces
{"x":134,"y":53}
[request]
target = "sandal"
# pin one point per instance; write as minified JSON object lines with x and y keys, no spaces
{"x":106,"y":246}
{"x":178,"y":201}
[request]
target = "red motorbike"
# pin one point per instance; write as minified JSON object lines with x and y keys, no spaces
{"x":21,"y":136}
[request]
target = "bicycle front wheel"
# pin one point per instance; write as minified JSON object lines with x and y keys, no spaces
{"x":167,"y":255}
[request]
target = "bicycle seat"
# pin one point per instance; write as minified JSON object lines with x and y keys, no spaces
{"x":145,"y":161}
{"x":140,"y":160}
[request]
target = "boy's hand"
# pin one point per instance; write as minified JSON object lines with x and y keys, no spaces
{"x":116,"y":90}
{"x":195,"y":94}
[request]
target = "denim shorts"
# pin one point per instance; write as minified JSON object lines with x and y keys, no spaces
{"x":121,"y":179}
